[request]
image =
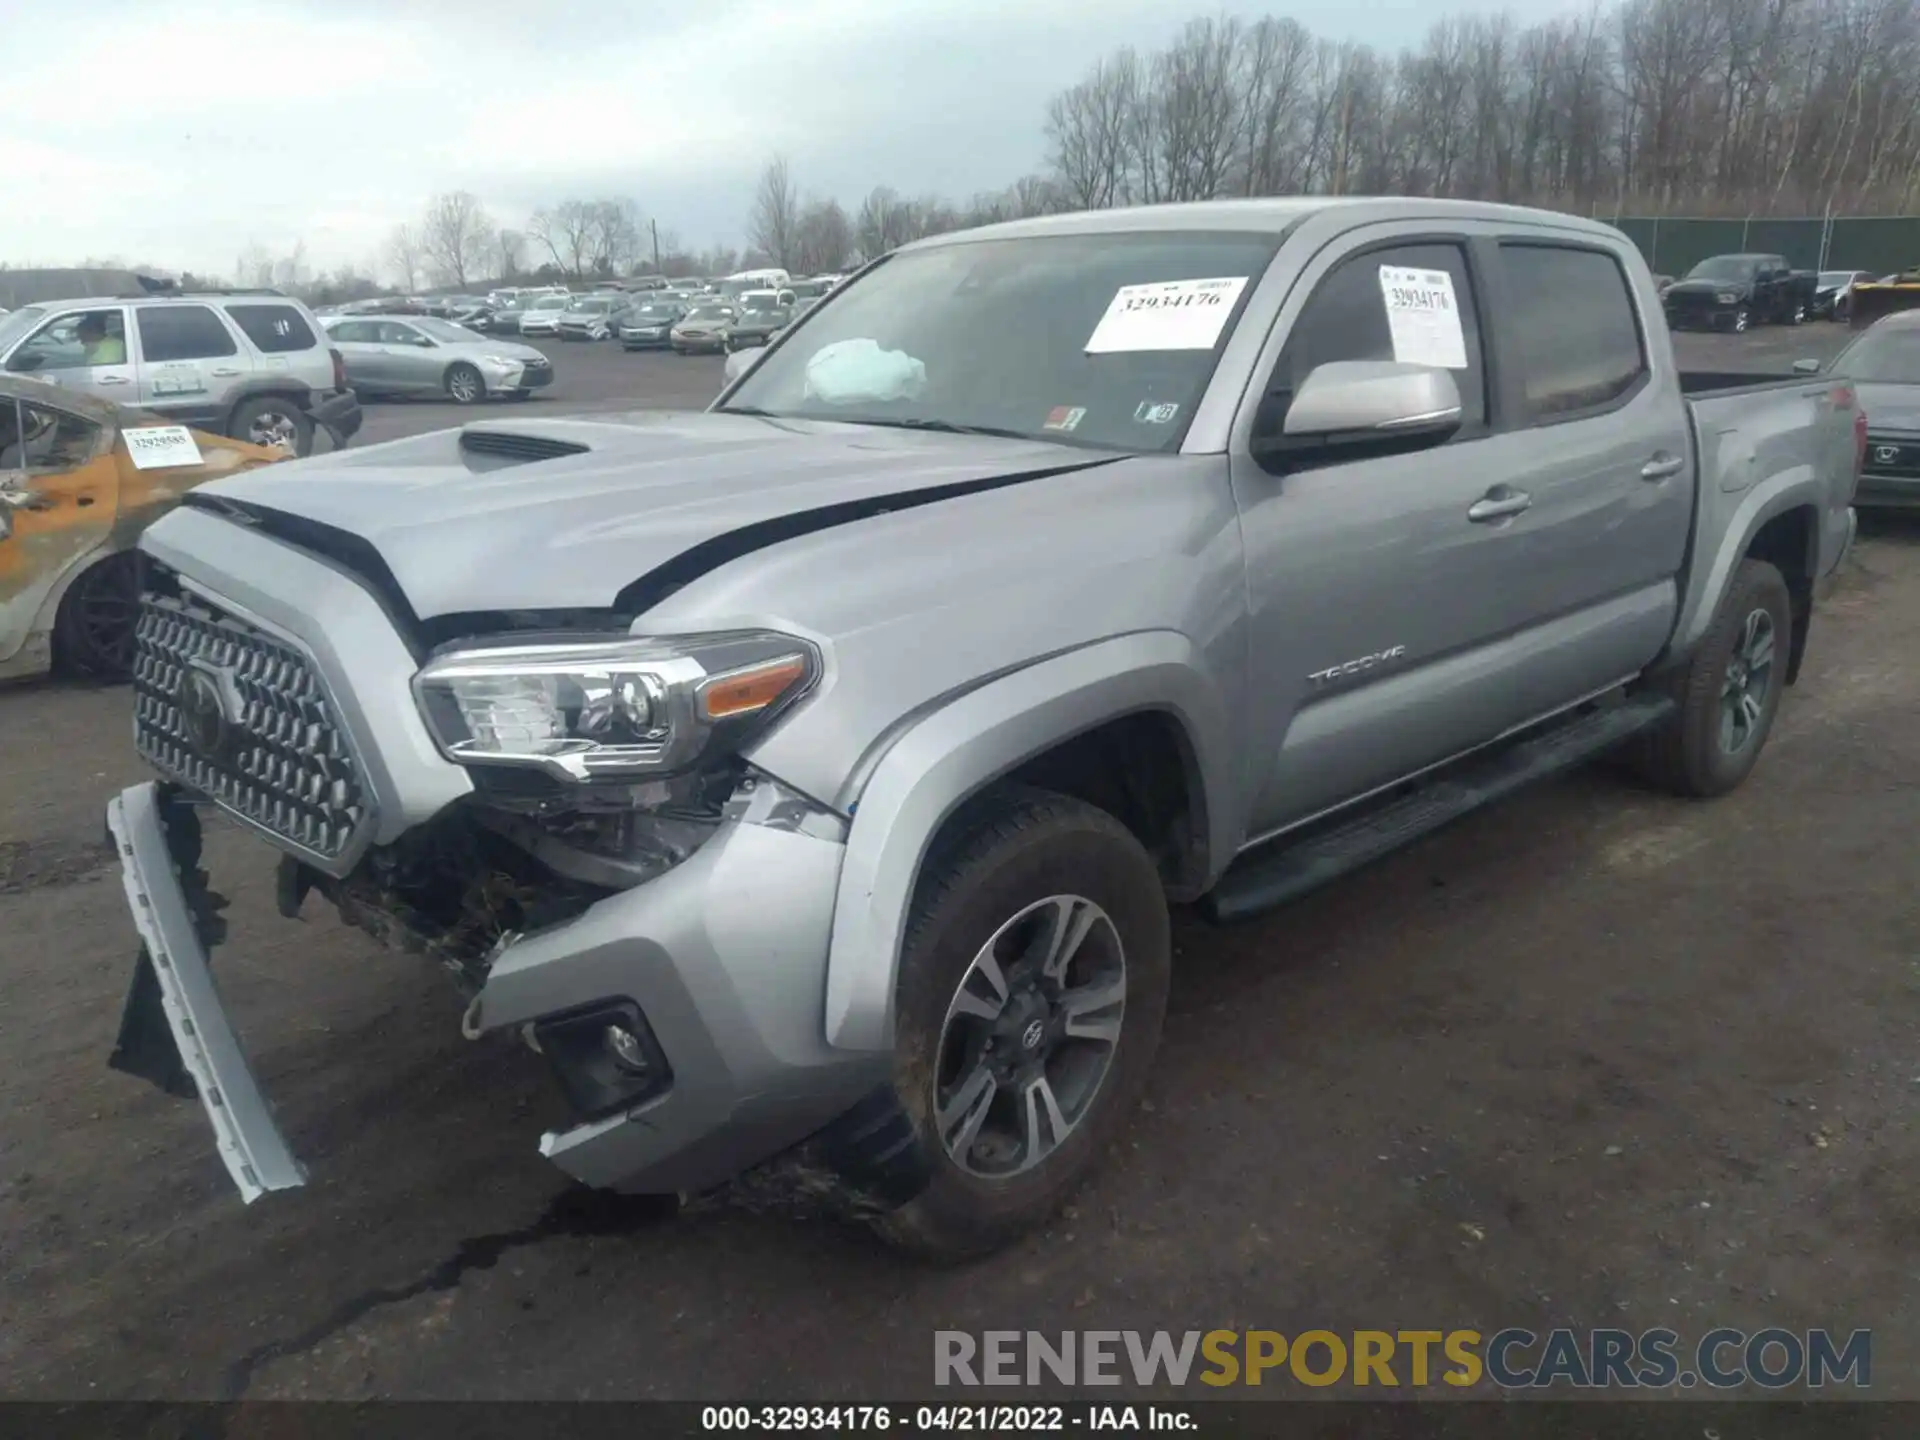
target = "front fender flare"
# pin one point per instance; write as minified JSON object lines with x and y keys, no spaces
{"x":954,"y":752}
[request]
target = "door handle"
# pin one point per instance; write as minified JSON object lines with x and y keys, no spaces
{"x":111,"y":380}
{"x":225,"y":373}
{"x":1499,"y":507}
{"x":1662,"y":466}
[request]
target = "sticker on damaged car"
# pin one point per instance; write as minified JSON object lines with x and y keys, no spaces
{"x":161,"y":447}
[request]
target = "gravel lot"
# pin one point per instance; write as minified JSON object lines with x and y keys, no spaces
{"x":1595,"y":1058}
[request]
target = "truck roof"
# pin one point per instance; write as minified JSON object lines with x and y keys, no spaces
{"x":1265,"y":215}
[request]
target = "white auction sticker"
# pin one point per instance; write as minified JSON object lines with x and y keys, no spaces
{"x":1423,"y":317}
{"x":1168,"y":315}
{"x":160,"y":447}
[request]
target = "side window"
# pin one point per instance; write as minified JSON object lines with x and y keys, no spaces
{"x":78,"y":340}
{"x":349,"y":332}
{"x":273,"y":329}
{"x":55,"y":442}
{"x":183,"y":332}
{"x":1346,"y":319}
{"x":394,"y":333}
{"x":1574,"y":329}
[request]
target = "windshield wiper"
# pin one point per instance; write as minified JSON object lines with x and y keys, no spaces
{"x":944,"y":427}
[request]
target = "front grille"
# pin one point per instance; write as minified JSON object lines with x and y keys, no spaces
{"x":275,"y":756}
{"x":1893,"y":455}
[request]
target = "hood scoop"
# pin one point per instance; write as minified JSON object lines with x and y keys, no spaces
{"x":485,"y":450}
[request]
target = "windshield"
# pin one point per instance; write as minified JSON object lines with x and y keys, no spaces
{"x":596,"y":304}
{"x":1887,"y":357}
{"x":1834,"y":277}
{"x":550,"y":302}
{"x":1105,"y":340}
{"x":711,"y":312}
{"x":445,"y":331}
{"x":1723,"y":267}
{"x":656,"y":312}
{"x":13,"y":326}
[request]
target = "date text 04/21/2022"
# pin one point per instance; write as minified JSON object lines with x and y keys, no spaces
{"x":946,"y":1419}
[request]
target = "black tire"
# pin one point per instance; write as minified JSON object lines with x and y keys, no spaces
{"x":1688,"y":754}
{"x":272,"y":420}
{"x":1009,"y":854}
{"x":93,"y":629}
{"x":465,"y":385}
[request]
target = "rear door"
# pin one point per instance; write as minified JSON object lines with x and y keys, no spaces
{"x":59,"y":492}
{"x":191,"y":363}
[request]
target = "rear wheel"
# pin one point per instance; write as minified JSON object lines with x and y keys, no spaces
{"x":273,"y":421}
{"x":464,"y":384}
{"x":1032,"y":986}
{"x":93,"y":630}
{"x":1729,"y":691}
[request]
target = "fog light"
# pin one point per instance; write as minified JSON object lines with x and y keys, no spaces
{"x":628,"y":1053}
{"x":604,"y":1056}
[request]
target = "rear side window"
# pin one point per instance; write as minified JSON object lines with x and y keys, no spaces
{"x":183,"y":332}
{"x":1346,"y":319}
{"x":1574,"y":329}
{"x":273,"y":329}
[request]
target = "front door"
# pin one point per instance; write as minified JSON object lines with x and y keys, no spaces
{"x":84,"y":350}
{"x":59,"y":492}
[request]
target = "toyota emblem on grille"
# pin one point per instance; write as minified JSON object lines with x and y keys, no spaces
{"x":204,"y":712}
{"x":1886,"y":454}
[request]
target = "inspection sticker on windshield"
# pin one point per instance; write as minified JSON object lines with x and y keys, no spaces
{"x":1064,"y":417}
{"x":1169,"y":315}
{"x":160,"y":447}
{"x":1423,"y":317}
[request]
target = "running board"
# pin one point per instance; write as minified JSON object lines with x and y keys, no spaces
{"x":1283,"y":872}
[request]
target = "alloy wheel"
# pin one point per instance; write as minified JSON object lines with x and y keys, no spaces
{"x":276,"y":430}
{"x":1029,"y":1037}
{"x":1749,"y":678}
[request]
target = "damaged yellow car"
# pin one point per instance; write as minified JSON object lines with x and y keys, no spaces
{"x":80,"y":478}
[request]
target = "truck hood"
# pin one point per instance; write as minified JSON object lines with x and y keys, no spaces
{"x":1889,"y":407}
{"x":566,"y":514}
{"x":1707,"y":287}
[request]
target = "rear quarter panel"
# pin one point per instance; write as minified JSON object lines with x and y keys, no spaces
{"x":1762,"y":451}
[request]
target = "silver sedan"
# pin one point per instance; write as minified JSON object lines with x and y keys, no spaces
{"x":420,"y":355}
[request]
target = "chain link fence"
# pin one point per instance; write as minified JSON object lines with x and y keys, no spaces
{"x":1879,"y":243}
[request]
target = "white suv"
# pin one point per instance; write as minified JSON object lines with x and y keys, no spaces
{"x":251,"y":364}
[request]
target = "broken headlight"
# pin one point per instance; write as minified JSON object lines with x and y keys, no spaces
{"x":611,"y":709}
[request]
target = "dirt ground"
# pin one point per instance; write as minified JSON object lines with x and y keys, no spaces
{"x":1597,"y":1058}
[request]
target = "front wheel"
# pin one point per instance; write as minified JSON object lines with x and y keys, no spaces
{"x":1729,"y":690}
{"x":1799,"y":315}
{"x":1742,"y":321}
{"x":93,"y":630}
{"x":465,"y":385}
{"x":1032,"y":986}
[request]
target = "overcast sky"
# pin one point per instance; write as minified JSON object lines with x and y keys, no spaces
{"x":179,"y":134}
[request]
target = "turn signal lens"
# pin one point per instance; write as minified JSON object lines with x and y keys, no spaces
{"x":745,"y":691}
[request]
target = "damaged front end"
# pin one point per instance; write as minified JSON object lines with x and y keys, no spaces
{"x":566,"y":823}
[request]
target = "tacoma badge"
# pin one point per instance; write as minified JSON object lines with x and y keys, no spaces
{"x":1355,"y":667}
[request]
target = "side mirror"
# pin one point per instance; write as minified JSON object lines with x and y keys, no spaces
{"x":26,"y":362}
{"x":739,"y":362}
{"x":1382,"y":406}
{"x":1806,"y":367}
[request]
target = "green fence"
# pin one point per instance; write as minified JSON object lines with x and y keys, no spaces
{"x":1880,"y":243}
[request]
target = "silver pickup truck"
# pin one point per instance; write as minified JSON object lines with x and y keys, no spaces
{"x":807,"y":781}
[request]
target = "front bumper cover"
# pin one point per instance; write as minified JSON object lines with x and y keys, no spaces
{"x":154,"y":832}
{"x":724,"y":956}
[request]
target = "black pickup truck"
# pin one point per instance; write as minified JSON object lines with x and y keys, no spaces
{"x":1735,"y":292}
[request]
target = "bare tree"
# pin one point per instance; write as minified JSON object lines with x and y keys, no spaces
{"x":613,"y":236}
{"x":775,"y":222}
{"x":566,"y":233}
{"x":404,"y":257}
{"x":823,"y":238}
{"x":510,"y":253}
{"x":457,"y":237}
